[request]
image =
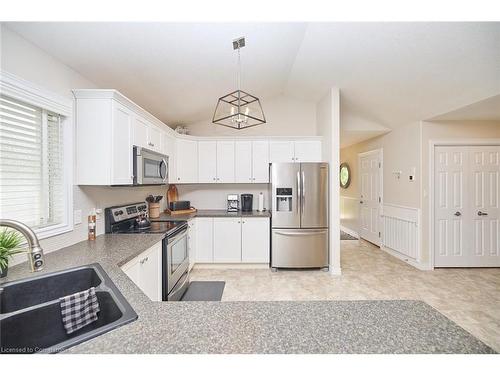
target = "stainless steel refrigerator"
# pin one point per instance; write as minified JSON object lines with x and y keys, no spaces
{"x":299,"y":204}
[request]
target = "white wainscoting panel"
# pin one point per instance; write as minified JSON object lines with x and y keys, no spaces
{"x":401,"y":230}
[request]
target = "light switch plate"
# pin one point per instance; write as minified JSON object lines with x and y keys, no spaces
{"x":77,"y":217}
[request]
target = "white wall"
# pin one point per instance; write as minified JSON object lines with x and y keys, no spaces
{"x":214,"y":196}
{"x":284,"y":116}
{"x":328,"y":125}
{"x":29,"y":62}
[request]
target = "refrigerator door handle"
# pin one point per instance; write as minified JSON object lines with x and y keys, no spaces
{"x":299,"y":193}
{"x":303,"y":189}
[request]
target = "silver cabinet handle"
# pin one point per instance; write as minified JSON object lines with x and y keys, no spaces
{"x":479,"y":213}
{"x":458,"y":213}
{"x":144,"y":260}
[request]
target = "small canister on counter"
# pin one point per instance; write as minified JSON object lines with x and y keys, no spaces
{"x":154,"y":205}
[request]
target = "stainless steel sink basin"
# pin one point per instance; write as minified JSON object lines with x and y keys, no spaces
{"x":30,"y":315}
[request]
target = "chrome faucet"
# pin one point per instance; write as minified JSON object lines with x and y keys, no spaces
{"x":35,"y":252}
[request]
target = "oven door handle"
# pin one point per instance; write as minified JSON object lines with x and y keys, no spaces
{"x":176,"y":293}
{"x":172,"y":240}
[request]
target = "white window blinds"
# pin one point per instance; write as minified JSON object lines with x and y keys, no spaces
{"x":31,"y":164}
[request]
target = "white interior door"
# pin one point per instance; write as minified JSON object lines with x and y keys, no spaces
{"x":370,"y":164}
{"x":484,"y":163}
{"x":466,"y":207}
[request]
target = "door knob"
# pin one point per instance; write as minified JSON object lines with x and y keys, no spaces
{"x":479,"y":213}
{"x":458,"y":213}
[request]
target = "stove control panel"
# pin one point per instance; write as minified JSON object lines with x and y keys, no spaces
{"x":131,"y":211}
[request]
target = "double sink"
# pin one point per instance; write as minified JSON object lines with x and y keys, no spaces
{"x":30,"y":313}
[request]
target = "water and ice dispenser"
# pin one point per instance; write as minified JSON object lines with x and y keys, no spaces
{"x":284,"y":199}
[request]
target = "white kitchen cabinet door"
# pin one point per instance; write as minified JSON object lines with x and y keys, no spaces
{"x":227,"y":240}
{"x":154,"y":138}
{"x":150,"y":272}
{"x":140,"y":132}
{"x":225,"y":161}
{"x":207,"y":161}
{"x":132,"y":269}
{"x":121,"y":154}
{"x":204,"y":240}
{"x":255,"y":240}
{"x":260,"y":162}
{"x":168,"y":148}
{"x":307,"y":151}
{"x":192,"y":242}
{"x":187,"y":161}
{"x":281,"y":152}
{"x":243,"y":161}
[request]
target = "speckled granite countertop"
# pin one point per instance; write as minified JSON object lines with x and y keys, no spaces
{"x":255,"y":327}
{"x":212,"y":213}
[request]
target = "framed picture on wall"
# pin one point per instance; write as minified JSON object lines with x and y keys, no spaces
{"x":345,"y":175}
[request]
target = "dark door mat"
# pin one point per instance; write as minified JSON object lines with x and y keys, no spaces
{"x":204,"y":291}
{"x":345,"y":236}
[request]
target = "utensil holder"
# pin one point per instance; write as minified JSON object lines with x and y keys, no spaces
{"x":154,"y":210}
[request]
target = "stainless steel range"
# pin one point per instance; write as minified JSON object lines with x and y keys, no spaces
{"x":133,"y":219}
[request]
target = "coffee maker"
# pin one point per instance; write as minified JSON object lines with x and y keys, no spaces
{"x":246,"y":202}
{"x":232,"y":203}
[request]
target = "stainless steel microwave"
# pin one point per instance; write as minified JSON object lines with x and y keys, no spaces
{"x":150,"y":167}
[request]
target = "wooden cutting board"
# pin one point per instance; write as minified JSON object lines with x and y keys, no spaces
{"x":192,"y":210}
{"x":172,"y":194}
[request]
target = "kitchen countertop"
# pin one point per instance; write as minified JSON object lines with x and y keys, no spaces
{"x":212,"y":213}
{"x":254,"y":327}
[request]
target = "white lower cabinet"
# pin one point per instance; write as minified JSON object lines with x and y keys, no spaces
{"x":204,"y":240}
{"x":227,"y":240}
{"x":255,"y":240}
{"x":192,"y":242}
{"x":145,"y":271}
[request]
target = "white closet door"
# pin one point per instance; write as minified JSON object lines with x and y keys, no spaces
{"x":466,"y":206}
{"x":451,"y":212}
{"x":484,"y":162}
{"x":369,"y":204}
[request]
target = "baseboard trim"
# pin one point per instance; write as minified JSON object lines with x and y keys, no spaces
{"x":233,"y":266}
{"x":406,"y":259}
{"x":349,"y":231}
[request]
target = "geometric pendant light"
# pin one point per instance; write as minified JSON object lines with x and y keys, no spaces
{"x":238,"y":109}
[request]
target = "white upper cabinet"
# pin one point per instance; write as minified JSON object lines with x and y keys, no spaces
{"x":168,"y":148}
{"x":295,"y":151}
{"x":147,"y":135}
{"x":121,"y":169}
{"x":260,"y":161}
{"x":154,"y":138}
{"x":140,"y":132}
{"x":307,"y":151}
{"x":107,"y":126}
{"x":207,"y":161}
{"x":243,"y":161}
{"x":281,"y":152}
{"x":225,"y":161}
{"x":187,"y":161}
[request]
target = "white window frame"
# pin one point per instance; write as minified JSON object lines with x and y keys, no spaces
{"x":20,"y":89}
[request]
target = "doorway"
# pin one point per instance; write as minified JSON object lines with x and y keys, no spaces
{"x":370,"y":195}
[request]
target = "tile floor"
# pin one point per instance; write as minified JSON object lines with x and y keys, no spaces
{"x":470,"y":297}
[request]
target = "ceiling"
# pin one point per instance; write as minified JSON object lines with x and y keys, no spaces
{"x":389,"y":74}
{"x":484,"y":110}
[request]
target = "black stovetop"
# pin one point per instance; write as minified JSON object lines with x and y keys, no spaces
{"x":156,"y":227}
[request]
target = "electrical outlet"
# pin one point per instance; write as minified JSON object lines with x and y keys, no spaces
{"x":77,"y":217}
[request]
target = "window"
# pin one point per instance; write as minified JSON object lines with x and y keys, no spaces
{"x":31,"y":164}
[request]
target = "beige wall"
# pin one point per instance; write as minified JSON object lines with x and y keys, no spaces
{"x":449,"y":130}
{"x":29,"y":62}
{"x":284,"y":116}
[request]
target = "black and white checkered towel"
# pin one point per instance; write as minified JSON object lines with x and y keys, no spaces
{"x":79,"y":309}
